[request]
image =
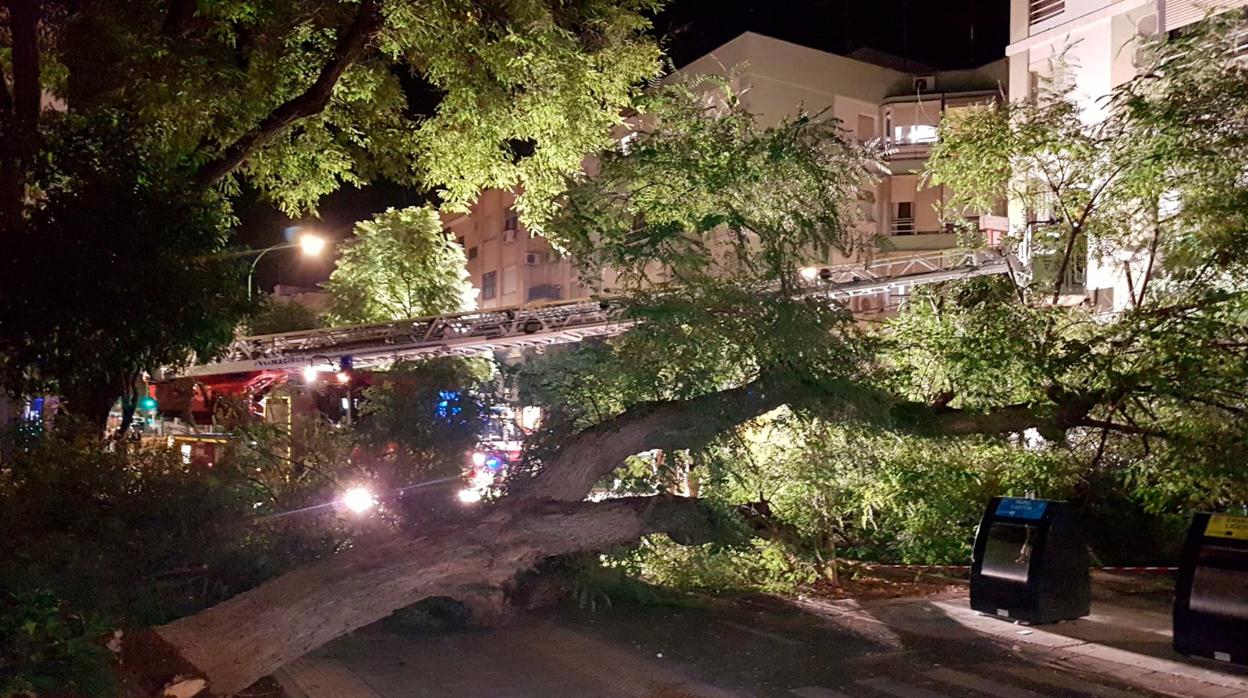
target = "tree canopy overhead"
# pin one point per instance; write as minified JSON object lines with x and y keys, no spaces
{"x":161,"y":112}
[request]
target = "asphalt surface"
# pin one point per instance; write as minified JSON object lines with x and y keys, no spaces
{"x":754,"y":646}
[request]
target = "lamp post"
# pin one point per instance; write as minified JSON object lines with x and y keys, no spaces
{"x":310,"y":245}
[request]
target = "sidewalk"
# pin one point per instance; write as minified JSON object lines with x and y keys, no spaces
{"x":1117,"y":640}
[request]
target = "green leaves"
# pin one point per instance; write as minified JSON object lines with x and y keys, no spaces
{"x":703,"y":191}
{"x":400,"y":264}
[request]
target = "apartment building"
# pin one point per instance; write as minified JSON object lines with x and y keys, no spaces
{"x":1098,"y":42}
{"x":507,"y":264}
{"x":873,"y":96}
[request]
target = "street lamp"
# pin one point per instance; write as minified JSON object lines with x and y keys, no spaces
{"x":309,"y":244}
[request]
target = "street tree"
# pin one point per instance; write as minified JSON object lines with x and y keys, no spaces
{"x":399,"y":264}
{"x":975,"y":362}
{"x":127,"y":129}
{"x":1151,"y":190}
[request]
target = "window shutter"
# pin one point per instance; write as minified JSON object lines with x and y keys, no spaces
{"x":1040,"y":10}
{"x":1180,"y":13}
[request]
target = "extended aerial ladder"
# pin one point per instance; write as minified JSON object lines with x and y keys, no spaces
{"x":471,"y":333}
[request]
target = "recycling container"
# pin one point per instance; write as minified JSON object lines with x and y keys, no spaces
{"x":1030,"y":562}
{"x":1211,"y":592}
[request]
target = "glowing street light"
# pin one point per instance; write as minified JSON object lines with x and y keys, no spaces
{"x":809,"y":273}
{"x":359,"y":500}
{"x":310,"y":244}
{"x":469,"y":496}
{"x":310,"y":374}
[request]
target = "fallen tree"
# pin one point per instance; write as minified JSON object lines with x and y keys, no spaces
{"x":226,"y":648}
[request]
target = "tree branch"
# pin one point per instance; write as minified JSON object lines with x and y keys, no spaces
{"x":350,"y":47}
{"x":589,"y":455}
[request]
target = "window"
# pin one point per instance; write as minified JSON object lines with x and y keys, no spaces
{"x":512,"y":221}
{"x":472,"y":253}
{"x":903,"y":218}
{"x":511,"y":280}
{"x":1040,"y":10}
{"x":489,"y":285}
{"x":866,"y":127}
{"x":545,"y":292}
{"x":911,"y":135}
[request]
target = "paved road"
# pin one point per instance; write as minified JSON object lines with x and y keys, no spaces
{"x":754,"y":647}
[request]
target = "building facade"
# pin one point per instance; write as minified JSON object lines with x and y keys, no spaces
{"x":874,"y":96}
{"x":1096,"y":42}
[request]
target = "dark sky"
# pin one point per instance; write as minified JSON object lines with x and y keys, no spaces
{"x":946,"y":34}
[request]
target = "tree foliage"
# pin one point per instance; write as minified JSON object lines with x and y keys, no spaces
{"x":276,"y":316}
{"x":701,"y":189}
{"x":400,"y":264}
{"x":159,"y":113}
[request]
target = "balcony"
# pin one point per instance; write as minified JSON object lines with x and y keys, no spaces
{"x":903,"y":235}
{"x":911,"y":142}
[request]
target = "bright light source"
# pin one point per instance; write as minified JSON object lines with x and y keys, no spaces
{"x":493,"y":463}
{"x":482,"y":479}
{"x":359,"y":499}
{"x":809,"y":273}
{"x":310,"y":373}
{"x":344,"y":377}
{"x":469,"y":496}
{"x":478,"y":459}
{"x":530,"y":417}
{"x":311,"y":245}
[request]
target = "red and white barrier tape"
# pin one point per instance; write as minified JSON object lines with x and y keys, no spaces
{"x":1148,"y":568}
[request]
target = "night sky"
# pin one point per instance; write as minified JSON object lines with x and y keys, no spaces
{"x":945,"y":34}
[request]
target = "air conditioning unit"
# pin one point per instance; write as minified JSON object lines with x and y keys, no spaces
{"x":509,"y":236}
{"x":924,"y":83}
{"x":532,"y":258}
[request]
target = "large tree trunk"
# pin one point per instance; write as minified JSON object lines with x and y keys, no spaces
{"x":233,"y":644}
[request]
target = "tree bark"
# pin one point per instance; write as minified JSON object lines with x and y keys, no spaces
{"x":233,"y":644}
{"x":351,"y":45}
{"x":585,"y":458}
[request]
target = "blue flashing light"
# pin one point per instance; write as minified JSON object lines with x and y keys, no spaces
{"x":493,"y":463}
{"x":448,"y":404}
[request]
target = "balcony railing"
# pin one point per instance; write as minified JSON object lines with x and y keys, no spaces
{"x":901,"y":226}
{"x":898,"y":150}
{"x":905,"y":226}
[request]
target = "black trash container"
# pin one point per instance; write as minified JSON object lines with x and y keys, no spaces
{"x":1030,"y":562}
{"x":1211,"y":592}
